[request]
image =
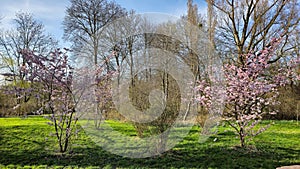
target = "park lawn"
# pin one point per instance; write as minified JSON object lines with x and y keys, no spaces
{"x":28,"y":143}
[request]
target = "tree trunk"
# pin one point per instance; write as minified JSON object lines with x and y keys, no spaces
{"x":242,"y":137}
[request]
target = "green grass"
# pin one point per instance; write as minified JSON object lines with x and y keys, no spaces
{"x":27,"y":143}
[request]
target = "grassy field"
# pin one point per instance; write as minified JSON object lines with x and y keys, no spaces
{"x":27,"y":143}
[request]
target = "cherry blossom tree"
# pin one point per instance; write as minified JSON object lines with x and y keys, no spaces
{"x":51,"y":78}
{"x":64,"y":89}
{"x":250,"y":91}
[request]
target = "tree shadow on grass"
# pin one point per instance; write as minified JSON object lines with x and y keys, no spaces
{"x":187,"y":154}
{"x":206,"y":157}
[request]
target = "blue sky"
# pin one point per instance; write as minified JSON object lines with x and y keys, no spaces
{"x":52,"y":12}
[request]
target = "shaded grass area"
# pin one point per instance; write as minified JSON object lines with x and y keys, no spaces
{"x":27,"y":143}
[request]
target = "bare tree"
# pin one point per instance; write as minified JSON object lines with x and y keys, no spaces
{"x":192,"y":18}
{"x":28,"y":34}
{"x":211,"y":21}
{"x":249,"y":25}
{"x":83,"y":23}
{"x":83,"y":26}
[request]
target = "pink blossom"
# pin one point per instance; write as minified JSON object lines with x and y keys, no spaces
{"x":249,"y":91}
